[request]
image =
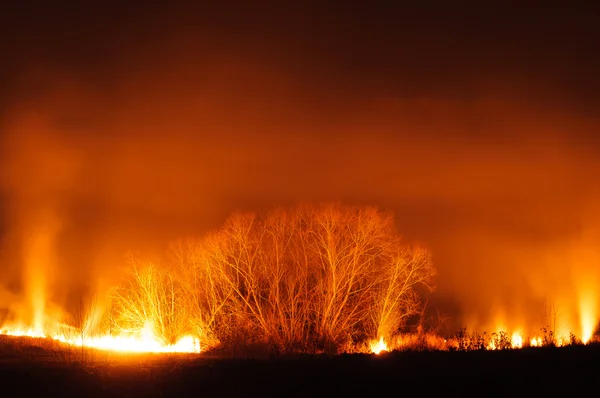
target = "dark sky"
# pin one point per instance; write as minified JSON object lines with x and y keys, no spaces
{"x":127,"y":125}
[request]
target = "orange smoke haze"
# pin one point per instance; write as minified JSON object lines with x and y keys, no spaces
{"x":166,"y":142}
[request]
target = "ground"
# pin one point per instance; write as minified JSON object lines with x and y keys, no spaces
{"x":528,"y":372}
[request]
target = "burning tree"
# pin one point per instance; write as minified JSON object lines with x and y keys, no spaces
{"x":260,"y":291}
{"x":313,"y":277}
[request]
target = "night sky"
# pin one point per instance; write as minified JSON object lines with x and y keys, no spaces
{"x":125,"y":126}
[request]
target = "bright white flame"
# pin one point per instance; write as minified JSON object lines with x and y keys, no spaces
{"x":135,"y":344}
{"x":18,"y":332}
{"x":517,"y":340}
{"x":145,"y":341}
{"x":379,"y":346}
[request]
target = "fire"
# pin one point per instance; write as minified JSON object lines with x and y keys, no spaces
{"x":143,"y":342}
{"x":536,"y":342}
{"x":516,"y":340}
{"x":18,"y":332}
{"x":378,"y":346}
{"x":186,"y":344}
{"x":167,"y":307}
{"x":587,"y":314}
{"x":38,"y":255}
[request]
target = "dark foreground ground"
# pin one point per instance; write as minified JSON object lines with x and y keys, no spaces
{"x":570,"y":371}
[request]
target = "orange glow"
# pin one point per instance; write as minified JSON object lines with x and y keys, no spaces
{"x":568,"y":312}
{"x":498,"y":280}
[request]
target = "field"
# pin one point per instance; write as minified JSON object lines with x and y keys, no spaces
{"x":28,"y":368}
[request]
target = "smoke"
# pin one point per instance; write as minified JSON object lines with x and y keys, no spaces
{"x":168,"y":141}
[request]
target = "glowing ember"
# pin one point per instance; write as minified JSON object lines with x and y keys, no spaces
{"x":378,"y":347}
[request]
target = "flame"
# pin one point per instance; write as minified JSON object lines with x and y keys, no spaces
{"x":378,"y":346}
{"x":587,"y":315}
{"x":536,"y":342}
{"x":144,"y":341}
{"x":560,"y":317}
{"x":42,"y":324}
{"x":516,"y":340}
{"x":37,"y":257}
